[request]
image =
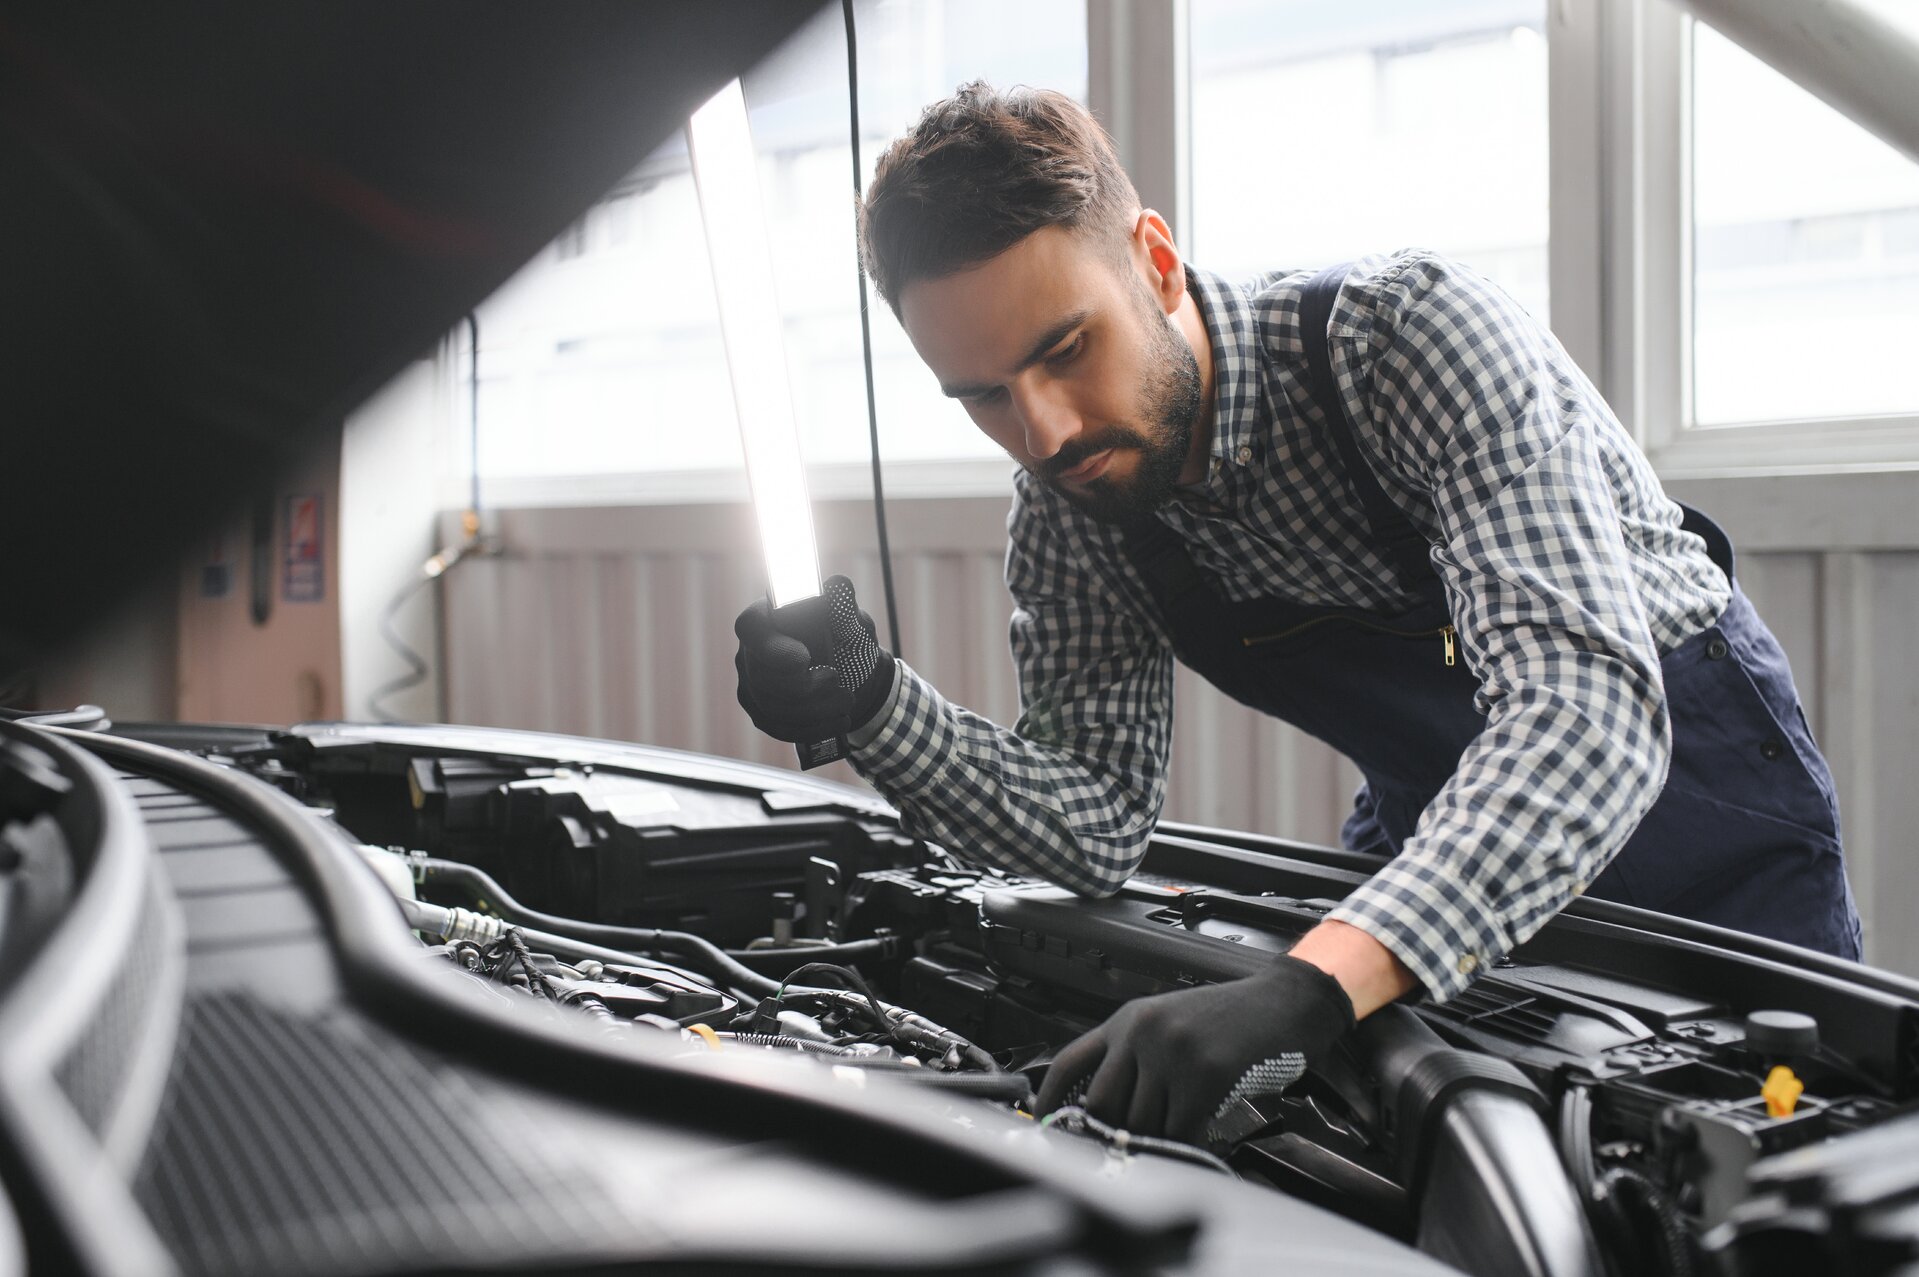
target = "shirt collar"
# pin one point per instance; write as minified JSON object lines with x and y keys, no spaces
{"x":1227,"y":312}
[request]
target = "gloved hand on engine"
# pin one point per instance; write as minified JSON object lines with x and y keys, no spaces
{"x":1175,"y":1063}
{"x":812,"y":670}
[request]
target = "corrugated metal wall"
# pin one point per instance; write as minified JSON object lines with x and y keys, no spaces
{"x":618,"y":623}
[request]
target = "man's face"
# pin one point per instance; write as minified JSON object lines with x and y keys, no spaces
{"x":1064,"y":356}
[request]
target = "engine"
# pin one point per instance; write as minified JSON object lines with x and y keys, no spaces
{"x":806,"y":924}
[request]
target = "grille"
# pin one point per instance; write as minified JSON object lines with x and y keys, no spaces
{"x":293,"y":1145}
{"x":1500,"y":1011}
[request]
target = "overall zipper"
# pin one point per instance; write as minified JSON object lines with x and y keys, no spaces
{"x":1445,"y":632}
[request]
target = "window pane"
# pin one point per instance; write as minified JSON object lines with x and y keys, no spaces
{"x":604,"y":356}
{"x":1805,"y":250}
{"x":1325,"y":131}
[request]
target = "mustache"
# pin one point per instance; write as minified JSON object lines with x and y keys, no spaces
{"x":1078,"y":449}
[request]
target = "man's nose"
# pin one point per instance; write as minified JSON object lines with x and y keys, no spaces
{"x":1047,"y":418}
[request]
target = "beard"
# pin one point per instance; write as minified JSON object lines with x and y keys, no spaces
{"x":1168,"y":408}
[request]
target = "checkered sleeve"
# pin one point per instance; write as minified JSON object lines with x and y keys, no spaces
{"x":1072,"y":791}
{"x":1467,"y":399}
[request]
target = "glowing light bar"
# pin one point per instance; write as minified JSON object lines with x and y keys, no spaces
{"x":725,"y":172}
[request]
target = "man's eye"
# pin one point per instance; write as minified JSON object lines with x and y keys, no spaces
{"x":987,"y":396}
{"x":1068,"y":353}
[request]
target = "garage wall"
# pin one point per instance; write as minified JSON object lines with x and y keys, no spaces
{"x":618,"y":622}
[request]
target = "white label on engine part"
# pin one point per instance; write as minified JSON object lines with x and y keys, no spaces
{"x":630,"y":806}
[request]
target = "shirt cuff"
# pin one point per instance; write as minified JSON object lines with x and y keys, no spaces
{"x":866,"y":732}
{"x":908,"y":740}
{"x":1443,"y":929}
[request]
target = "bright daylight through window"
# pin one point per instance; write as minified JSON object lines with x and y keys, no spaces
{"x":1325,"y":131}
{"x":1805,"y":248}
{"x":602,"y":360}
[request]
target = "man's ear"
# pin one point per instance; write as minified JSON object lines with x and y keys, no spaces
{"x":1163,"y":269}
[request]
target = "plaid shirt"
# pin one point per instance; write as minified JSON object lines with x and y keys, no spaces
{"x":1565,"y":572}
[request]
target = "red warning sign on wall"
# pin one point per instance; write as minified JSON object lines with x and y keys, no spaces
{"x":304,"y":580}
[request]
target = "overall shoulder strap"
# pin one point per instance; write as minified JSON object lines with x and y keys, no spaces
{"x":1168,"y":570}
{"x":1400,"y":543}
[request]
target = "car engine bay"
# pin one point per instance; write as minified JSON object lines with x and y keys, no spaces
{"x":1623,"y":1095}
{"x":840,"y":938}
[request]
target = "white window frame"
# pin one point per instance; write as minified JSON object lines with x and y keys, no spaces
{"x":1138,"y":85}
{"x":1620,"y":251}
{"x":1619,"y":244}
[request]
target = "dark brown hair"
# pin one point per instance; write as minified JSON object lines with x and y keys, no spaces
{"x":981,"y":171}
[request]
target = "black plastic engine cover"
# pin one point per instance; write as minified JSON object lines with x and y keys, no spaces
{"x":1142,"y":941}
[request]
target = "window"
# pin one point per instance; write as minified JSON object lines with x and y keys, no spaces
{"x":1805,"y":236}
{"x":1320,"y":131}
{"x":1325,"y":131}
{"x":602,"y":360}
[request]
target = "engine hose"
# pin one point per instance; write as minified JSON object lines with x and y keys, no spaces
{"x":709,"y":957}
{"x":778,"y":962}
{"x":1009,"y":1088}
{"x":81,"y":718}
{"x":463,"y":924}
{"x":601,"y":1015}
{"x":1669,"y":1234}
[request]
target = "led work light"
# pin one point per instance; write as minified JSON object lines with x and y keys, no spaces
{"x":725,"y":173}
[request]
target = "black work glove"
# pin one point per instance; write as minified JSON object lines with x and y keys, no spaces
{"x":1175,"y":1063}
{"x":812,"y":670}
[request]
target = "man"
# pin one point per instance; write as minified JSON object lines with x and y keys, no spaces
{"x":1380,"y":503}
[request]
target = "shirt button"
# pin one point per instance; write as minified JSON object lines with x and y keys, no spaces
{"x":1468,"y":963}
{"x":1771,"y":748}
{"x":1716,"y":650}
{"x":1245,"y":455}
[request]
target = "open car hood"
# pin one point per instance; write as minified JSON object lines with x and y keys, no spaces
{"x":228,"y":224}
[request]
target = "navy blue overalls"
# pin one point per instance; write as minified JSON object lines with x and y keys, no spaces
{"x":1745,"y":833}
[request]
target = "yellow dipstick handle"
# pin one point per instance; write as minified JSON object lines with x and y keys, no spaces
{"x":711,"y":1038}
{"x":1782,"y":1091}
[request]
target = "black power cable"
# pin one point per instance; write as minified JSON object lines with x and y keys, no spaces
{"x":846,"y":975}
{"x":866,"y":332}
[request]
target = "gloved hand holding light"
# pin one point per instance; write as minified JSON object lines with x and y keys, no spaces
{"x":823,"y":672}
